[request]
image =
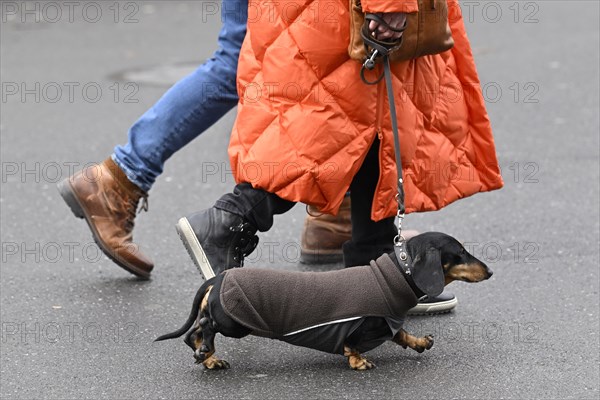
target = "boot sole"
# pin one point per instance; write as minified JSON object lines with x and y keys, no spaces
{"x":320,"y":257}
{"x":194,"y":249}
{"x":67,"y":193}
{"x":435,"y":308}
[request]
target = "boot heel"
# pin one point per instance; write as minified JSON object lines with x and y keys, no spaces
{"x":64,"y":188}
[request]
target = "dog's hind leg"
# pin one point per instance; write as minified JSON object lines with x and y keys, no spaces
{"x":194,"y":336}
{"x":205,"y":353}
{"x":206,"y":345}
{"x":356,"y":361}
{"x":207,"y":350}
{"x":418,"y":344}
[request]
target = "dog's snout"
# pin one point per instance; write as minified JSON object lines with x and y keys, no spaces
{"x":488,"y":271}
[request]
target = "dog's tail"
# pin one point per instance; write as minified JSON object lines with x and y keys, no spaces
{"x":194,"y":313}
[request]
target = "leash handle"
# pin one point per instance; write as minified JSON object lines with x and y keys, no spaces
{"x":377,"y":48}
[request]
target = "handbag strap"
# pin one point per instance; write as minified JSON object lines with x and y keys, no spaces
{"x":369,"y":64}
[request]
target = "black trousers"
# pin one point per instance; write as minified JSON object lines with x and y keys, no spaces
{"x":370,"y":239}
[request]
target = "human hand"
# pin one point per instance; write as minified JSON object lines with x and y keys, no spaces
{"x":394,"y":20}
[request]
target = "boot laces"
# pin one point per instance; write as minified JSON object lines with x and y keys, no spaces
{"x":245,"y":242}
{"x":132,"y":209}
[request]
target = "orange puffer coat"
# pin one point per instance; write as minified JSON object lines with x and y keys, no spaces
{"x":306,"y":120}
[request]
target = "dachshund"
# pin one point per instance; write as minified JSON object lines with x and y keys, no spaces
{"x":348,"y":312}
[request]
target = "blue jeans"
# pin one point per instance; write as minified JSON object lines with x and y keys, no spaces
{"x":190,"y":107}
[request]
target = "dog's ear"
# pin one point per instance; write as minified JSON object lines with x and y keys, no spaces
{"x":427,"y":272}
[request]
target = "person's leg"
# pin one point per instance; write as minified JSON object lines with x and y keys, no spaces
{"x":190,"y":107}
{"x":219,"y":237}
{"x":323,"y":235}
{"x":254,"y":205}
{"x":371,"y":239}
{"x":107,"y":194}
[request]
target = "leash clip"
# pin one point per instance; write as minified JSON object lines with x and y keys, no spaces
{"x":370,"y":62}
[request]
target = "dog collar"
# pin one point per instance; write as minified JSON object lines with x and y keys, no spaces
{"x":404,"y":263}
{"x":402,"y":255}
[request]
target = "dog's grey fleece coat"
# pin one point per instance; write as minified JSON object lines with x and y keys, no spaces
{"x":273,"y":303}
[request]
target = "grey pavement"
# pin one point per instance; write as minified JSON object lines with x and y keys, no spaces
{"x":76,"y":326}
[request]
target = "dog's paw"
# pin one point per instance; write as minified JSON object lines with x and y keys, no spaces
{"x":429,"y":339}
{"x":361,"y":364}
{"x":215,"y":364}
{"x":425,"y":343}
{"x":200,"y":356}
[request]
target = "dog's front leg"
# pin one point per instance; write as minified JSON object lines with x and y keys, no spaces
{"x":356,"y":361}
{"x":419,"y":345}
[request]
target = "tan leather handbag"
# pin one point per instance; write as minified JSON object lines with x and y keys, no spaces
{"x":426,"y":32}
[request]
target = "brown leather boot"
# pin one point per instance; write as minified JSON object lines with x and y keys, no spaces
{"x":108,"y":201}
{"x":324,"y":235}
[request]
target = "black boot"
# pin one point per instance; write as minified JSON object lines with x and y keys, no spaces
{"x":217,"y":240}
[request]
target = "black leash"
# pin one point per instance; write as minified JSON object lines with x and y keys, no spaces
{"x":383,"y":49}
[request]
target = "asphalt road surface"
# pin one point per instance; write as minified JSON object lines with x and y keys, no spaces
{"x":76,"y":326}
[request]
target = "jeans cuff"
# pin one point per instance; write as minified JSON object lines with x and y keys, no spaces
{"x":133,"y":178}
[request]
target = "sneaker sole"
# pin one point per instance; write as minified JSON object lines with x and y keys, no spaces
{"x":435,"y":308}
{"x":194,"y":249}
{"x":67,"y":193}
